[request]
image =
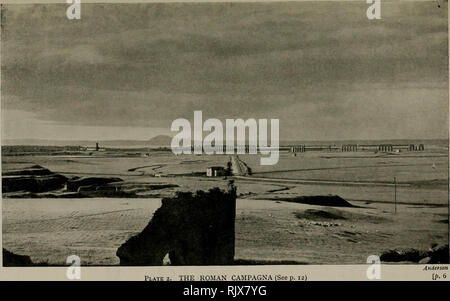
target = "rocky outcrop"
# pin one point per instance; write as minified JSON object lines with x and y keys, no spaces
{"x":34,"y":181}
{"x":36,"y":170}
{"x":192,"y":229}
{"x":319,"y":200}
{"x":122,"y":189}
{"x":33,"y":178}
{"x":75,"y":183}
{"x":13,"y":260}
{"x":435,"y":255}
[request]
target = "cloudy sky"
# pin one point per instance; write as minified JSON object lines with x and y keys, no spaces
{"x":127,"y":71}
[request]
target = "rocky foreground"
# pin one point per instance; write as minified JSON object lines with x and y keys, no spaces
{"x":435,"y":255}
{"x":35,"y":181}
{"x":192,"y":229}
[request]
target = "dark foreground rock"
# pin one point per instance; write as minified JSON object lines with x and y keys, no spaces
{"x":33,"y":178}
{"x":436,"y":254}
{"x":192,"y":229}
{"x":13,"y":260}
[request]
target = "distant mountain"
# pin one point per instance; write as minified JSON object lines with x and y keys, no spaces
{"x":160,"y":140}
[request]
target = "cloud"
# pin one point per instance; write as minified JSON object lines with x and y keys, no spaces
{"x":146,"y":64}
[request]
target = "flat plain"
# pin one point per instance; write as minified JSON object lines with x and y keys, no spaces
{"x":269,"y":228}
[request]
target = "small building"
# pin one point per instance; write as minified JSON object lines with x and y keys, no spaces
{"x":215,"y":171}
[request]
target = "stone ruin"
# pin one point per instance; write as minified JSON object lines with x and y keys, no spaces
{"x":192,"y":229}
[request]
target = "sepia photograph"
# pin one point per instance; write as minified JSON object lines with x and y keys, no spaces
{"x":224,"y":133}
